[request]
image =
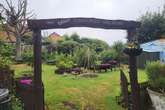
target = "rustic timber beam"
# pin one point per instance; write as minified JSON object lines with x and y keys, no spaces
{"x":81,"y":22}
{"x":37,"y":87}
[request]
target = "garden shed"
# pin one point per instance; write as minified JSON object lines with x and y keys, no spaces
{"x":152,"y":51}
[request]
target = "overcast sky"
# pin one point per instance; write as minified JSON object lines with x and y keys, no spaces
{"x":107,"y":9}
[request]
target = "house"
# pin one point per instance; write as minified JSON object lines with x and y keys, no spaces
{"x":152,"y":51}
{"x":5,"y":38}
{"x":54,"y":37}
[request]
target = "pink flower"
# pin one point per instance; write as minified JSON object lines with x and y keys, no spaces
{"x":26,"y":81}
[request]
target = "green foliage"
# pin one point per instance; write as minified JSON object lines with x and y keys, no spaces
{"x":6,"y":54}
{"x":71,"y":43}
{"x":28,"y":57}
{"x":118,"y":48}
{"x":16,"y":103}
{"x":85,"y":57}
{"x":68,"y":47}
{"x":95,"y":44}
{"x":152,"y":26}
{"x":63,"y":61}
{"x":48,"y":56}
{"x":156,"y":74}
{"x":66,"y":37}
{"x":6,"y":50}
{"x":115,"y":53}
{"x":4,"y":62}
{"x":75,"y":37}
{"x":99,"y":92}
{"x":27,"y":39}
{"x":108,"y":55}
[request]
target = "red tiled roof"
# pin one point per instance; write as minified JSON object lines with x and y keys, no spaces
{"x":55,"y":37}
{"x":4,"y":37}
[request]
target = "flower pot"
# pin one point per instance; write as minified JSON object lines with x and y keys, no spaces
{"x":157,"y":99}
{"x":133,"y":51}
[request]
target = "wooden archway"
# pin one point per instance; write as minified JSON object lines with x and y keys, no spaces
{"x":37,"y":25}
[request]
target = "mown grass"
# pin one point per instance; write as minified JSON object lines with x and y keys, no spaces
{"x":98,"y":93}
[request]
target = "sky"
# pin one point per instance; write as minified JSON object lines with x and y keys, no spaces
{"x":106,"y":9}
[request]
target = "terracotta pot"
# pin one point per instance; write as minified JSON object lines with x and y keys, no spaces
{"x":158,"y":99}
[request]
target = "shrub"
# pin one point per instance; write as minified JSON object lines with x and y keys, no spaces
{"x":85,"y":57}
{"x":49,"y":58}
{"x":68,"y":47}
{"x":108,"y":55}
{"x":4,"y":62}
{"x":6,"y":51}
{"x":28,"y":57}
{"x":156,"y":74}
{"x":63,"y":63}
{"x":16,"y":103}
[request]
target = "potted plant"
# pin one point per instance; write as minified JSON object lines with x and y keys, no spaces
{"x":156,"y":75}
{"x":133,"y":49}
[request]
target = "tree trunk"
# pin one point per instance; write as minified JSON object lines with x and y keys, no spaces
{"x":18,"y":48}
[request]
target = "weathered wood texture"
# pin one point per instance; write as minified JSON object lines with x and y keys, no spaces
{"x":131,"y":34}
{"x":124,"y":88}
{"x":7,"y":79}
{"x":81,"y":22}
{"x":135,"y":89}
{"x":38,"y":94}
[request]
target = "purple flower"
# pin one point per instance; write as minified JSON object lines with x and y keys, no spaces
{"x":26,"y":81}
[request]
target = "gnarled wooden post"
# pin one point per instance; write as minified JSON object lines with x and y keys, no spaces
{"x":131,"y":34}
{"x":134,"y":83}
{"x":135,"y":89}
{"x":37,"y":87}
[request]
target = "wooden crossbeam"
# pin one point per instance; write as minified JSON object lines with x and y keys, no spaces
{"x":81,"y":22}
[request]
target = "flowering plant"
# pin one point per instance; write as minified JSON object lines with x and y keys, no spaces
{"x":133,"y":45}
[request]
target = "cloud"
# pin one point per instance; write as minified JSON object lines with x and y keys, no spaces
{"x":107,"y":9}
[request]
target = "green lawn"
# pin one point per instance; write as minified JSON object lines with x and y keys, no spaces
{"x":98,"y":93}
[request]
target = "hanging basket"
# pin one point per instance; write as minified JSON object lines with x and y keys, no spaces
{"x":133,"y":51}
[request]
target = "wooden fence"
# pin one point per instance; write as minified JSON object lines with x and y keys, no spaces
{"x":147,"y":57}
{"x":7,"y":79}
{"x":124,"y":89}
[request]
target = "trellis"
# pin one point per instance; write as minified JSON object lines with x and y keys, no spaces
{"x":40,"y":24}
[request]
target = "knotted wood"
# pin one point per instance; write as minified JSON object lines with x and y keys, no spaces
{"x":81,"y":22}
{"x":124,"y":88}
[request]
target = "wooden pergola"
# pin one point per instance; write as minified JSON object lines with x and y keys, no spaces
{"x":40,"y":24}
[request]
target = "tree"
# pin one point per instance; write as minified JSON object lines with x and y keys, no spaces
{"x":75,"y":37}
{"x":68,"y":47}
{"x":108,"y":55}
{"x":15,"y":21}
{"x":118,"y":46}
{"x":152,"y":26}
{"x":97,"y":45}
{"x":66,"y":37}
